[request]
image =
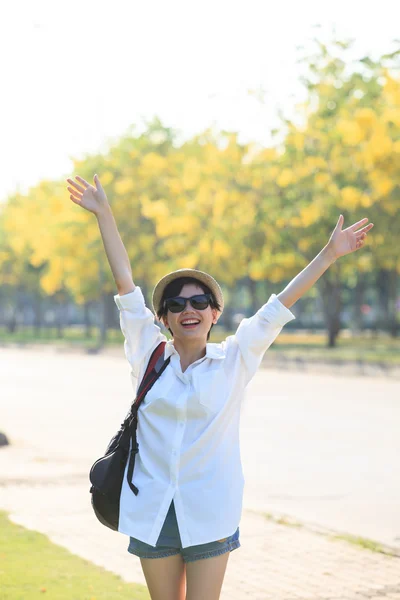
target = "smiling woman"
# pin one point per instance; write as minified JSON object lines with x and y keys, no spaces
{"x":189,"y":303}
{"x":188,"y":445}
{"x":186,"y":306}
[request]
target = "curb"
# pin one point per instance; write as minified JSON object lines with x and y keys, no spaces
{"x":333,"y":367}
{"x":324,"y":531}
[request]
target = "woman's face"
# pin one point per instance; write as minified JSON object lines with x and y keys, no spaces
{"x":206,"y":317}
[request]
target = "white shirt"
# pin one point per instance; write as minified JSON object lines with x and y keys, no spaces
{"x":188,"y":426}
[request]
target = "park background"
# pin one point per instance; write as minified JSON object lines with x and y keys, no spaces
{"x":229,"y":136}
{"x":294,"y":137}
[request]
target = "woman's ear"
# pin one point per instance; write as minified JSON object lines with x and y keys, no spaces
{"x":216,"y":315}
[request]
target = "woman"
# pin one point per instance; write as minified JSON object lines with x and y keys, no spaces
{"x":184,"y":522}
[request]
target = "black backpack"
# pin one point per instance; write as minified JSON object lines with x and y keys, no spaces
{"x":107,"y":473}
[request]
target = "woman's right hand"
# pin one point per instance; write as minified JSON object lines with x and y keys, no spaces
{"x":94,"y":199}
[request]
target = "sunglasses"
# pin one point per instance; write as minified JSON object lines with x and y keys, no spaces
{"x":178,"y":304}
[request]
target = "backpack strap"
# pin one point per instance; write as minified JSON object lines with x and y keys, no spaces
{"x":156,"y":366}
{"x":152,"y":372}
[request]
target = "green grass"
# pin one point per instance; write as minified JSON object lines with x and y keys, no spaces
{"x":33,"y":567}
{"x":293,"y":345}
{"x":363,"y":543}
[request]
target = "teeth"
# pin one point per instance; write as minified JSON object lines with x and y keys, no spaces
{"x":189,"y":322}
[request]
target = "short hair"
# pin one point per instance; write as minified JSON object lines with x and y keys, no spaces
{"x":174,"y":288}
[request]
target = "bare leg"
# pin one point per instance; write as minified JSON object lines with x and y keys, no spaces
{"x":165,"y":577}
{"x":205,"y":577}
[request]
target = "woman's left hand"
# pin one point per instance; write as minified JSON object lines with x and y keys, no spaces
{"x":348,"y":240}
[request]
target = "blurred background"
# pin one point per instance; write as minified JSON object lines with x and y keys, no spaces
{"x":228,"y":139}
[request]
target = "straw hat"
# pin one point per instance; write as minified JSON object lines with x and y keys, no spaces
{"x":200,"y":275}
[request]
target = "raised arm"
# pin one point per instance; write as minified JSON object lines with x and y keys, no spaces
{"x":94,"y":199}
{"x":340,"y":243}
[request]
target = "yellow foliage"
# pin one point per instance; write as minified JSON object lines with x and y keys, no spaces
{"x":188,"y":261}
{"x":392,"y":88}
{"x":379,"y":145}
{"x":351,"y":132}
{"x":221,"y":249}
{"x":272,"y":173}
{"x":123,"y":186}
{"x":304,"y":244}
{"x":185,"y":223}
{"x":366,"y":200}
{"x":285,"y":178}
{"x":314,"y":162}
{"x":351,"y":197}
{"x":164,"y":228}
{"x":392,"y":115}
{"x":322,"y":178}
{"x":155,"y":210}
{"x":268,"y":154}
{"x":191,"y":175}
{"x":296,"y":139}
{"x":154,"y":163}
{"x":257,"y":181}
{"x":295,"y":221}
{"x":365,"y":262}
{"x":105,"y":178}
{"x":220,"y":202}
{"x":396,"y":146}
{"x":302,"y":171}
{"x":309,"y":214}
{"x":383,"y":186}
{"x":146,"y":242}
{"x":286,"y":260}
{"x":204,"y":246}
{"x":174,"y":246}
{"x":365,"y":117}
{"x":175,"y":186}
{"x":256,"y":270}
{"x":56,"y":206}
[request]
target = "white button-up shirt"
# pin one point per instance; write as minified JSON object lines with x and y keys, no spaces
{"x":188,"y":426}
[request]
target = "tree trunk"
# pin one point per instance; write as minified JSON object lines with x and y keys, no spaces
{"x":252,"y":287}
{"x":392,"y":303}
{"x":103,"y":320}
{"x":383,"y":286}
{"x":38,"y":310}
{"x":358,"y":302}
{"x":86,"y":319}
{"x":60,"y":307}
{"x":330,"y":291}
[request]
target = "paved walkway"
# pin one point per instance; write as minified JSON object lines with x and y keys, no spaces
{"x":44,"y":477}
{"x":275,"y":561}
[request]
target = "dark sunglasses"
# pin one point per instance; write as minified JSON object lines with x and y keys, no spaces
{"x":178,"y":304}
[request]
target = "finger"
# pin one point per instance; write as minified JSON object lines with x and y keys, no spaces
{"x":76,"y":185}
{"x":74,"y":192}
{"x":83,"y":181}
{"x":354,"y":227}
{"x":365,"y":229}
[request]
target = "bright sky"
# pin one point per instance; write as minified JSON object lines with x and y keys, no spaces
{"x":78,"y":73}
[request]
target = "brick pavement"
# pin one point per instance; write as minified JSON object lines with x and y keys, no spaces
{"x":275,"y":561}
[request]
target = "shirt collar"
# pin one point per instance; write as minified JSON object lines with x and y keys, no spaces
{"x":212,"y":350}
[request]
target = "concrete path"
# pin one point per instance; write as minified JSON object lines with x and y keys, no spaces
{"x":325,"y":451}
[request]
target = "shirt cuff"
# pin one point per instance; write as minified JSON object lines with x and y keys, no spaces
{"x":131,"y":301}
{"x":275,"y":312}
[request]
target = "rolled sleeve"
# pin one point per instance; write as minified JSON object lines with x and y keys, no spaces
{"x":137,"y":324}
{"x":132,"y":301}
{"x":256,"y":334}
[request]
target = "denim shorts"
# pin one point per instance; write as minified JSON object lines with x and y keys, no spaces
{"x":169,"y":543}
